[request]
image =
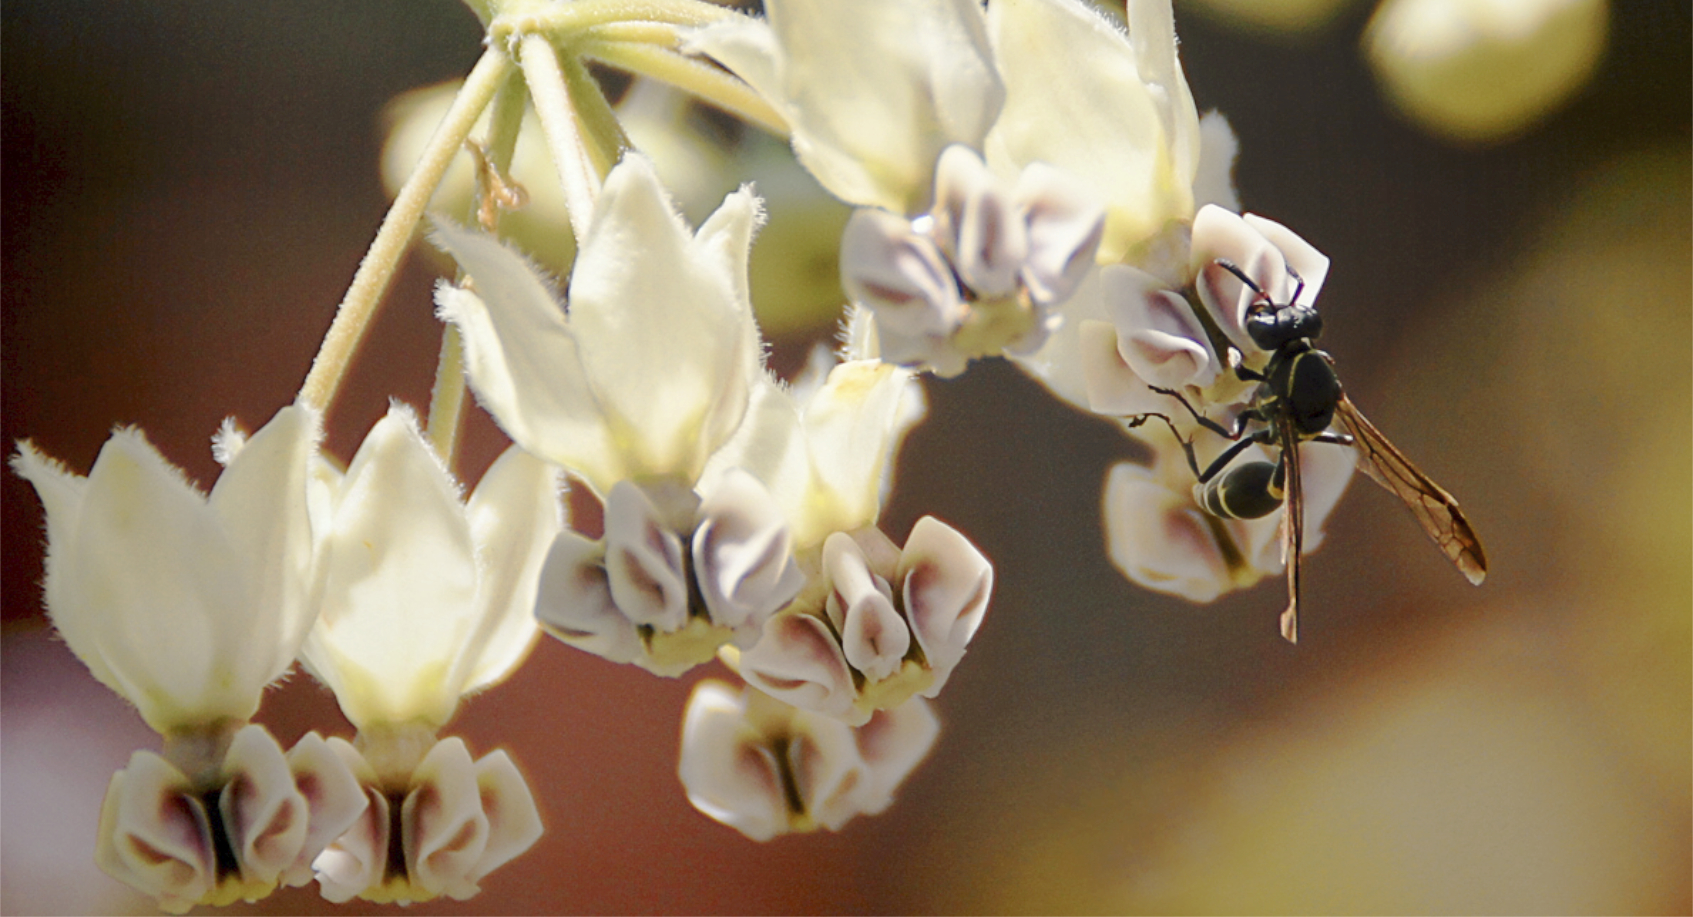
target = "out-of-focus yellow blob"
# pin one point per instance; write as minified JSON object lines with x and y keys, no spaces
{"x":1289,"y":17}
{"x":1484,"y":70}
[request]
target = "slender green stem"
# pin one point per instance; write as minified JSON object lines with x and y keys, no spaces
{"x":371,"y":280}
{"x":563,"y":21}
{"x":639,"y":48}
{"x":446,"y":400}
{"x":601,"y":130}
{"x":578,"y":175}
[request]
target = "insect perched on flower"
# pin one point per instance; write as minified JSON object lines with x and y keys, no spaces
{"x":1297,"y":400}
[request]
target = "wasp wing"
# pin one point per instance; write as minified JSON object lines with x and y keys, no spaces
{"x":1435,"y":509}
{"x":1293,"y":525}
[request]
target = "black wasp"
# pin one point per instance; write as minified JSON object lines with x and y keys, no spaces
{"x":1297,"y":400}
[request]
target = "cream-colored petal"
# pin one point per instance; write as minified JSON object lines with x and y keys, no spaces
{"x":1057,"y":364}
{"x":798,"y":662}
{"x":744,"y":556}
{"x":873,"y":89}
{"x":892,"y":744}
{"x":443,"y":828}
{"x":946,"y":584}
{"x":1217,"y":233}
{"x":1159,"y":538}
{"x":643,"y":561}
{"x":154,"y":835}
{"x":1076,"y":100}
{"x":514,"y":821}
{"x":333,"y":796}
{"x":1213,"y":180}
{"x":771,"y":446}
{"x":573,"y":601}
{"x":264,"y":814}
{"x":522,"y":357}
{"x":666,"y":329}
{"x":514,"y":515}
{"x":726,"y":770}
{"x":156,"y":569}
{"x":398,"y":582}
{"x":854,"y":425}
{"x":62,"y":492}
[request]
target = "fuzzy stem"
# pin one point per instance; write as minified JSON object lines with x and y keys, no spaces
{"x":364,"y":295}
{"x":643,"y":48}
{"x":446,"y":400}
{"x":577,"y":176}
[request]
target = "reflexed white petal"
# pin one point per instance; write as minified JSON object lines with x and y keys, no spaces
{"x":261,"y":499}
{"x":62,"y":492}
{"x":643,"y":561}
{"x":399,"y":582}
{"x":977,"y":224}
{"x":514,"y":516}
{"x":900,"y":274}
{"x":514,"y":822}
{"x":1159,"y":538}
{"x":522,"y":358}
{"x":1152,"y":33}
{"x":443,"y":828}
{"x":1157,"y":333}
{"x":573,"y":601}
{"x":798,"y":662}
{"x":154,"y":835}
{"x":947,"y":584}
{"x":743,"y":556}
{"x":332,"y":793}
{"x":873,"y":89}
{"x":666,"y":329}
{"x":160,"y":575}
{"x":1076,"y":99}
{"x":1065,"y":226}
{"x":892,"y":744}
{"x":873,"y":635}
{"x":263,"y":812}
{"x":1217,"y":233}
{"x":1113,"y":388}
{"x":728,"y":773}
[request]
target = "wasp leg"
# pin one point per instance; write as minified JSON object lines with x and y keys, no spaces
{"x":1245,"y":417}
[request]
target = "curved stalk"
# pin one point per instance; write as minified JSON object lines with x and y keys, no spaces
{"x":650,"y":50}
{"x":364,"y":295}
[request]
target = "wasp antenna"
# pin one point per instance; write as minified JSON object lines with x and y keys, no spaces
{"x":1234,"y":269}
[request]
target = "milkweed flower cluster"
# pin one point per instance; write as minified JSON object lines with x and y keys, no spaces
{"x":1031,"y":183}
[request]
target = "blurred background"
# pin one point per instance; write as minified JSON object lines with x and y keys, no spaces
{"x":189,"y":186}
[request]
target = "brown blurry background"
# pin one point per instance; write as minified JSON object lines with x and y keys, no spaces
{"x":189,"y":186}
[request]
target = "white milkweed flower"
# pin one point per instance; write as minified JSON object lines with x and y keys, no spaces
{"x":765,"y":768}
{"x":1114,"y":113}
{"x":1156,"y":532}
{"x":1158,"y":536}
{"x":981,"y":273}
{"x":633,"y":385}
{"x":188,"y":605}
{"x":648,"y":368}
{"x":878,"y":624}
{"x":825,"y":446}
{"x":873,"y":90}
{"x":425,"y":598}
